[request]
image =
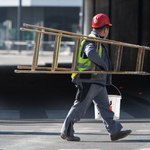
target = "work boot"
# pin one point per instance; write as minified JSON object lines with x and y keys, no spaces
{"x":119,"y":135}
{"x":70,"y":137}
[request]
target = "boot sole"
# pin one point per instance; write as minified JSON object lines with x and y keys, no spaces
{"x":65,"y":138}
{"x":123,"y":136}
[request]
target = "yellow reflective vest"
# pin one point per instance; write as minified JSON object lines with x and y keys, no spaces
{"x":85,"y":63}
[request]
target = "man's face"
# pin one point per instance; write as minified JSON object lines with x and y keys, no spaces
{"x":106,"y":32}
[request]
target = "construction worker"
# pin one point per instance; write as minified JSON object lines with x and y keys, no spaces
{"x":93,"y":86}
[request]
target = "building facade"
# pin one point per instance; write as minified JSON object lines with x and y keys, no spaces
{"x":63,"y":15}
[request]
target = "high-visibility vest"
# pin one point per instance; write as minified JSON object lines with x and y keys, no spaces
{"x":85,"y":63}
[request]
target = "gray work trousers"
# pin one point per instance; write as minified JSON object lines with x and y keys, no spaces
{"x":78,"y":110}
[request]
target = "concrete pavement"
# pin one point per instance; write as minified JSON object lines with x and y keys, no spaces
{"x":15,"y":58}
{"x":45,"y":135}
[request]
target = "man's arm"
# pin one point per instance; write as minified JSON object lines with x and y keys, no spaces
{"x":91,"y":53}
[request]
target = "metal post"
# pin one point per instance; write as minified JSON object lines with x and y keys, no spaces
{"x":88,"y":15}
{"x":83,"y":7}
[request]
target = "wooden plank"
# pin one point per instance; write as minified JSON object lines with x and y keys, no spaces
{"x":118,"y":56}
{"x":58,"y":50}
{"x":97,"y":45}
{"x":140,"y":59}
{"x":98,"y":51}
{"x":50,"y":29}
{"x":35,"y":52}
{"x":55,"y":53}
{"x":84,"y":36}
{"x":70,"y":72}
{"x":75,"y":54}
{"x":44,"y":68}
{"x":90,"y":39}
{"x":78,"y":38}
{"x":38,"y":47}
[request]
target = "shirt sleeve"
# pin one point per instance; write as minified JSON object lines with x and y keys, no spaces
{"x":90,"y":52}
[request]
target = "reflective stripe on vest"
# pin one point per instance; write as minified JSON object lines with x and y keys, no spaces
{"x":85,"y":64}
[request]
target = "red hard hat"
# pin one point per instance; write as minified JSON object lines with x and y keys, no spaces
{"x":100,"y":20}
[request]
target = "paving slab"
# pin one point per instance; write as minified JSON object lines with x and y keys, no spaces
{"x":45,"y":135}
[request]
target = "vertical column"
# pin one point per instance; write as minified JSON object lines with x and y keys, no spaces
{"x":88,"y":15}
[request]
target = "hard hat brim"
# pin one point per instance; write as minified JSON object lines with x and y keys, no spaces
{"x":102,"y":26}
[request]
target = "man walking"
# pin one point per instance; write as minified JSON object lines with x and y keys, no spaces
{"x":93,"y":86}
